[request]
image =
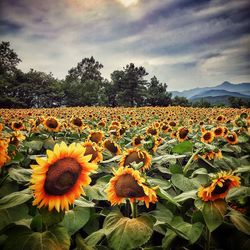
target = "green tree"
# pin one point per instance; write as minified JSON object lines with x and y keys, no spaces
{"x":38,"y":89}
{"x":84,"y":83}
{"x":8,"y":63}
{"x":157,"y":94}
{"x":180,"y":101}
{"x":8,"y":59}
{"x":129,"y":85}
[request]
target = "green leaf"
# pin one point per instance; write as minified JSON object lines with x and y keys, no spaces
{"x":213,"y":213}
{"x":242,"y":169}
{"x":82,"y":202}
{"x":190,"y":232}
{"x":186,"y":195}
{"x":23,"y":238}
{"x":166,"y":196}
{"x":237,"y":192}
{"x":162,"y":214}
{"x":81,"y":243}
{"x":164,"y":184}
{"x":124,"y":233}
{"x":21,"y":175}
{"x":184,"y":183}
{"x":51,"y":218}
{"x":15,"y":199}
{"x":183,"y":147}
{"x":14,"y":215}
{"x":240,"y":222}
{"x":35,"y":145}
{"x":19,"y":157}
{"x":75,"y":219}
{"x":95,"y":237}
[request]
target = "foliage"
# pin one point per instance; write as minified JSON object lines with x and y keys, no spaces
{"x":179,"y":219}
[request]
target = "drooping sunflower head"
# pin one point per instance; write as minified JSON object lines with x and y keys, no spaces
{"x":219,"y":187}
{"x":128,"y":183}
{"x":59,"y":179}
{"x":17,"y":125}
{"x":152,"y":130}
{"x":219,"y":131}
{"x":112,"y":147}
{"x":77,"y":122}
{"x":137,"y":156}
{"x":182,"y":134}
{"x":91,"y":148}
{"x":96,"y":136}
{"x":232,"y":138}
{"x":137,"y":141}
{"x":220,"y":118}
{"x":207,"y":137}
{"x":52,"y":124}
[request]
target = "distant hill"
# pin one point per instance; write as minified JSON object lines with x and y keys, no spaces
{"x":219,"y":92}
{"x":211,"y":94}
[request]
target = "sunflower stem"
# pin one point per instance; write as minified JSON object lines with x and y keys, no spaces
{"x":185,"y":169}
{"x":134,"y":209}
{"x":127,"y":207}
{"x":208,"y":239}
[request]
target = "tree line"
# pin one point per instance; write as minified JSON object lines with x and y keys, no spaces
{"x":82,"y":86}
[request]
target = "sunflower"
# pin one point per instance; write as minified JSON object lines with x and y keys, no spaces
{"x":128,"y":183}
{"x":94,"y":150}
{"x":58,"y":180}
{"x":207,"y":137}
{"x":16,"y":137}
{"x":182,"y":134}
{"x":51,"y":124}
{"x":219,"y":131}
{"x":219,"y":187}
{"x":96,"y":136}
{"x":4,"y":157}
{"x":136,"y":155}
{"x":17,"y":125}
{"x":112,"y":147}
{"x":77,"y":123}
{"x":152,"y":131}
{"x":137,"y":140}
{"x":232,"y":138}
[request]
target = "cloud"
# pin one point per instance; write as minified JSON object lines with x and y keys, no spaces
{"x":183,"y":43}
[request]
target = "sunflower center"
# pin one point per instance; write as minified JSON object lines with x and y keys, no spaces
{"x":91,"y":151}
{"x":183,"y":133}
{"x":61,"y":176}
{"x":18,"y":125}
{"x":137,"y":140}
{"x":52,"y":123}
{"x":218,"y":131}
{"x":223,"y":189}
{"x":111,"y":147}
{"x":207,"y":136}
{"x":127,"y":187}
{"x":134,"y":157}
{"x":231,"y":138}
{"x":96,"y":137}
{"x":77,"y":122}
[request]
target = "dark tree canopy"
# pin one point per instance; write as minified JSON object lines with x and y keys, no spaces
{"x":8,"y":59}
{"x":85,"y":86}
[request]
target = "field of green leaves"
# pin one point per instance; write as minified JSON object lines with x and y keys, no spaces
{"x":125,"y":178}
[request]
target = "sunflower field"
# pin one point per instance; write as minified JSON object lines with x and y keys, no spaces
{"x":125,"y":178}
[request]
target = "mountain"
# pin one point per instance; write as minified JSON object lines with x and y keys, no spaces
{"x":241,"y":90}
{"x":217,"y":93}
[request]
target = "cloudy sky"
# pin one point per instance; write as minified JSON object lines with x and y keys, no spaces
{"x":185,"y":43}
